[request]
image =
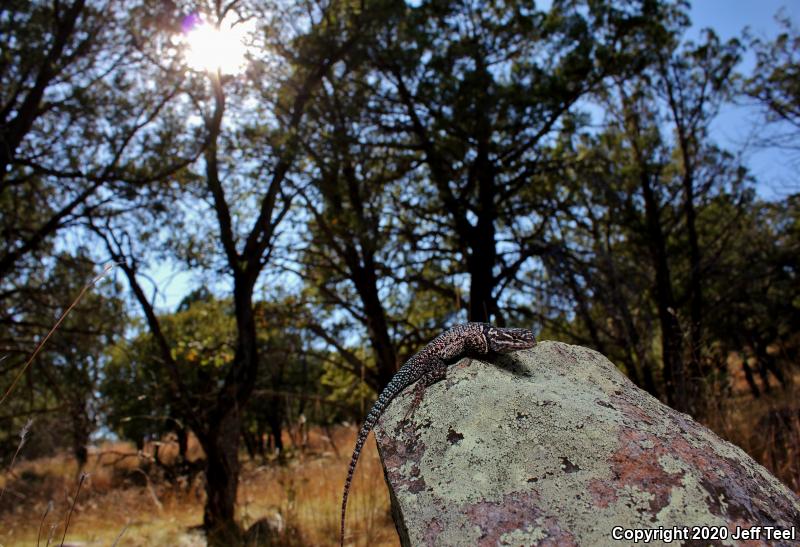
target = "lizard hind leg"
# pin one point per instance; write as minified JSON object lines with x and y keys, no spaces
{"x":436,"y":373}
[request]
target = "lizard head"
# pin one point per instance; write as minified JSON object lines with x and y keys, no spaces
{"x":503,"y":340}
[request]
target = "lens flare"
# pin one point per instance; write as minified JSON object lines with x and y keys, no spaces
{"x":213,"y":48}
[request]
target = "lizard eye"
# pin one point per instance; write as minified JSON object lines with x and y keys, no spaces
{"x":506,"y":340}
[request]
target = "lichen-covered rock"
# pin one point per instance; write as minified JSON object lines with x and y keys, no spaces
{"x":554,"y":446}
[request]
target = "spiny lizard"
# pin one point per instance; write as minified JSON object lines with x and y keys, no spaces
{"x":430,"y":366}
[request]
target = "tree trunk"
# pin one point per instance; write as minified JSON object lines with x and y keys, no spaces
{"x":696,"y":373}
{"x":649,"y":381}
{"x":377,"y":326}
{"x":483,"y":251}
{"x":221,"y":446}
{"x":260,"y":440}
{"x":481,"y":302}
{"x":80,"y":433}
{"x":275,"y":419}
{"x":748,"y":375}
{"x":363,"y":270}
{"x":183,"y":443}
{"x":688,"y":133}
{"x":223,"y":434}
{"x":249,"y":444}
{"x":695,"y":287}
{"x":671,"y":339}
{"x":671,"y":336}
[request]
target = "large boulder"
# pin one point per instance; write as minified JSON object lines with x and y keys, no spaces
{"x":554,"y":446}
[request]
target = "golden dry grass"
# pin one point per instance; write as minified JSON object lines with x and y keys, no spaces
{"x":767,"y":428}
{"x":305,"y":492}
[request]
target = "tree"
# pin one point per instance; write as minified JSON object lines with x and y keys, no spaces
{"x":642,"y":193}
{"x":249,"y":129}
{"x":286,"y":375}
{"x":76,"y":132}
{"x":693,"y":85}
{"x":61,"y":384}
{"x":352,"y":259}
{"x":756,"y":310}
{"x":72,"y":121}
{"x":139,"y":405}
{"x":773,"y":85}
{"x":478,"y":91}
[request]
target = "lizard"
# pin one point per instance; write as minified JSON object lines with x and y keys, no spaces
{"x":429,"y":366}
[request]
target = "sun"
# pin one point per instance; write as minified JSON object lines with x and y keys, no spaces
{"x":213,"y":48}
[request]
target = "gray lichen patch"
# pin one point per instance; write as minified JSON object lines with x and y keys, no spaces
{"x":554,"y":446}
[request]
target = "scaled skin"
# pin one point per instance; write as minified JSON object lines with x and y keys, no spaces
{"x":429,"y":366}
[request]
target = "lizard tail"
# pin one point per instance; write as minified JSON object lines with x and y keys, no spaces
{"x":395,"y":386}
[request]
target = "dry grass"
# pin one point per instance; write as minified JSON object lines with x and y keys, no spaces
{"x":767,"y":428}
{"x":305,"y":494}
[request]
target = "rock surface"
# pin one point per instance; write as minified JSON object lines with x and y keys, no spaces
{"x":554,"y":446}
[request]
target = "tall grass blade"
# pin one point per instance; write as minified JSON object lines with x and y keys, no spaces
{"x":71,"y":507}
{"x":41,"y":343}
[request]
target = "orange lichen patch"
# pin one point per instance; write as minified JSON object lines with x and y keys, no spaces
{"x":602,"y":492}
{"x":637,"y":465}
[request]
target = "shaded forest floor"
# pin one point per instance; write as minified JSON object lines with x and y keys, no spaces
{"x":126,"y":493}
{"x":303,"y":494}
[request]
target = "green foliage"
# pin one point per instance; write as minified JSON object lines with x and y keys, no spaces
{"x":761,"y":304}
{"x":140,"y":403}
{"x":340,"y":389}
{"x":61,"y":385}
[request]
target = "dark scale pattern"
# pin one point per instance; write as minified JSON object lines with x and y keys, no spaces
{"x":429,"y":365}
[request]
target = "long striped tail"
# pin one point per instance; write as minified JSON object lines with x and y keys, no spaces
{"x":398,"y":383}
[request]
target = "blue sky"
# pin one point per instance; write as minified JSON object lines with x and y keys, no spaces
{"x":777,"y":174}
{"x":729,"y":17}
